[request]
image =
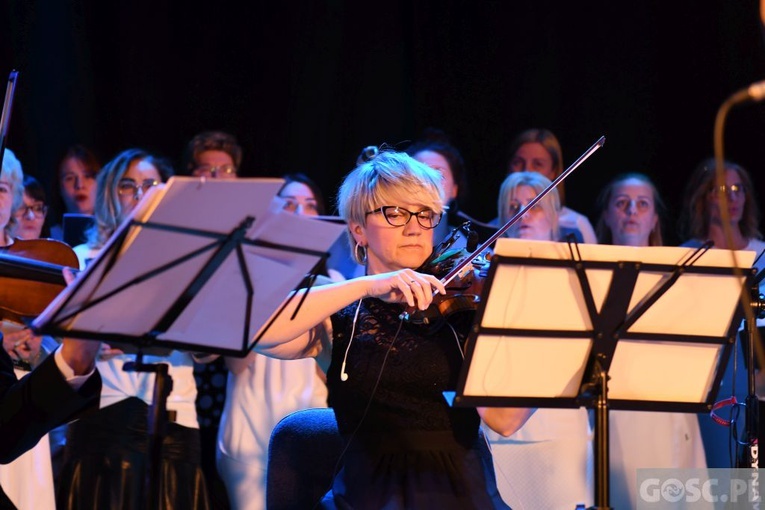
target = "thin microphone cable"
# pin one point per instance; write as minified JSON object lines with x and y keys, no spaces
{"x":343,"y":373}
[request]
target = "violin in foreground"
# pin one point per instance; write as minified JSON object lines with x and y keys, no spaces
{"x":464,"y":280}
{"x":31,"y":276}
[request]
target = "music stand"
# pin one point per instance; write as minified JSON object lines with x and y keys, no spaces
{"x":606,"y":327}
{"x":199,"y":265}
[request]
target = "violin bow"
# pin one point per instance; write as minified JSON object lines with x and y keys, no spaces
{"x":5,"y":118}
{"x":467,"y":260}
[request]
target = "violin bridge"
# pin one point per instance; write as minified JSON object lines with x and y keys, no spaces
{"x":468,"y":269}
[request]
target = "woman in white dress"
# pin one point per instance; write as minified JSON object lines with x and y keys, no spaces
{"x":548,"y":462}
{"x":630,"y":215}
{"x":105,"y":455}
{"x":261,"y":390}
{"x":702,"y":220}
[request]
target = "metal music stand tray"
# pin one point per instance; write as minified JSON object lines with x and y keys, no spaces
{"x":563,"y":325}
{"x":199,"y":265}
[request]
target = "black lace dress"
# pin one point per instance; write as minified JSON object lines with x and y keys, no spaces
{"x":407,"y":448}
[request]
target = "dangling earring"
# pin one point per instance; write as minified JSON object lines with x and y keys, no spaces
{"x":360,"y":252}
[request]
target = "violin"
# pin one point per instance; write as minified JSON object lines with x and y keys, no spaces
{"x":31,"y":276}
{"x":463,"y":291}
{"x":465,"y":278}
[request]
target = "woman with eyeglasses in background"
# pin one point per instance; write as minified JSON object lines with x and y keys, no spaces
{"x":120,"y":185}
{"x":33,"y":211}
{"x":701,"y":220}
{"x":106,"y":454}
{"x":213,"y":154}
{"x":29,"y":217}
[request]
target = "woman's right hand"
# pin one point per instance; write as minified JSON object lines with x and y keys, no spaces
{"x":107,"y":352}
{"x":22,"y":345}
{"x":405,"y":286}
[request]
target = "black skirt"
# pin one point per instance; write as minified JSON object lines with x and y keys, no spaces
{"x":106,"y":463}
{"x":413,"y":471}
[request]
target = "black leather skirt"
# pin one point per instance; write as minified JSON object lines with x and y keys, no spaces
{"x":106,"y":463}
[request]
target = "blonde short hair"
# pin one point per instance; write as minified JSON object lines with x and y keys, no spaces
{"x":387,"y":179}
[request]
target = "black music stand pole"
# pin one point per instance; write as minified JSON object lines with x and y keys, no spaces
{"x":750,"y":456}
{"x":601,"y":438}
{"x":597,"y":391}
{"x":157,"y":424}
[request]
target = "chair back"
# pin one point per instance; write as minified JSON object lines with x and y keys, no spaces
{"x":303,"y":452}
{"x":302,"y":455}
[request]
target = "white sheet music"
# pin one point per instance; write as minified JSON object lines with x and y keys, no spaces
{"x":549,"y":299}
{"x":216,"y":315}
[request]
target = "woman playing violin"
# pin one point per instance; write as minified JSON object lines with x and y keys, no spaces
{"x":18,"y":341}
{"x":28,"y":480}
{"x":406,"y":447}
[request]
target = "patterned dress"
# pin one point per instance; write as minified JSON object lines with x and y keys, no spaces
{"x":406,"y":447}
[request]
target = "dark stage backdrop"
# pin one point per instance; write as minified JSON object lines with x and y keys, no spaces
{"x":305,"y":85}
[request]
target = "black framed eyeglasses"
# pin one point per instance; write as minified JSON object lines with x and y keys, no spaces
{"x":214,"y":171}
{"x":37,"y":210}
{"x":398,"y":216}
{"x":130,"y":187}
{"x":734,"y":190}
